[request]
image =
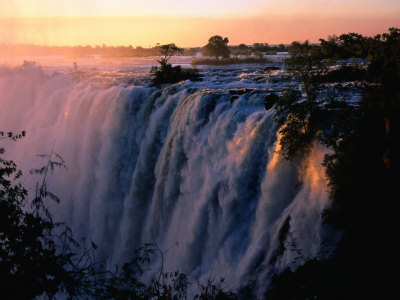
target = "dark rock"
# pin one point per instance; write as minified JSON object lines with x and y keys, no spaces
{"x":233,"y":98}
{"x":239,"y":91}
{"x":272,"y":68}
{"x":270,"y":100}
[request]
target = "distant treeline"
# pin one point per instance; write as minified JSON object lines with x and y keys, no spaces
{"x":336,"y":47}
{"x":122,"y":51}
{"x":77,"y":51}
{"x":258,"y":48}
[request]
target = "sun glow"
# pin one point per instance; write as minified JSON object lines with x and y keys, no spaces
{"x":189,"y":23}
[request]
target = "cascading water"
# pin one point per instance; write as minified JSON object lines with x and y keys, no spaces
{"x":188,"y":168}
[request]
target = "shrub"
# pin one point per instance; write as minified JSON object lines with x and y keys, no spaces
{"x":217,"y":46}
{"x":166,"y":73}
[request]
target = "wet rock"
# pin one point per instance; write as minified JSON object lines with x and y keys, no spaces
{"x":270,"y":100}
{"x":233,"y":98}
{"x":272,"y":68}
{"x":239,"y":91}
{"x":259,"y":78}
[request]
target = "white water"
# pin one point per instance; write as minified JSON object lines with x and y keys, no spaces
{"x":181,"y":166}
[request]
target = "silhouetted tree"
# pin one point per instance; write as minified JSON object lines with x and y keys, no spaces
{"x":262,"y":47}
{"x":217,"y":46}
{"x":168,"y":51}
{"x":37,"y":255}
{"x":300,"y":111}
{"x":330,"y":47}
{"x":362,"y":173}
{"x":242,"y":47}
{"x":166,"y":73}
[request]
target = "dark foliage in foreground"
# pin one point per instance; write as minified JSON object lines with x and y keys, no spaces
{"x":345,"y":74}
{"x":31,"y":264}
{"x":40,"y":258}
{"x":305,"y":112}
{"x":363,"y":173}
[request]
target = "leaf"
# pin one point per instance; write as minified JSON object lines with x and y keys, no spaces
{"x":38,"y":171}
{"x":52,"y":197}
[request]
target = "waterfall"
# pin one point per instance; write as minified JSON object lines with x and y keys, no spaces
{"x":180,"y":166}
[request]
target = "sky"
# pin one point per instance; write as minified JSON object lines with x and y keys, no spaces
{"x":191,"y":22}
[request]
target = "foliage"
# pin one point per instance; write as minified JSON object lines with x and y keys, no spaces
{"x":317,"y":108}
{"x":374,"y":127}
{"x":166,"y":73}
{"x":362,"y":172}
{"x":354,"y":45}
{"x":257,"y":49}
{"x":305,"y":64}
{"x":127,"y":282}
{"x":168,"y":51}
{"x":347,"y":73}
{"x":119,"y":51}
{"x":385,"y":59}
{"x":28,"y":251}
{"x":363,"y":169}
{"x":217,"y":46}
{"x":81,"y":51}
{"x":169,"y":74}
{"x":264,"y":47}
{"x":313,"y":280}
{"x":345,"y":46}
{"x":242,"y":47}
{"x":301,"y":112}
{"x":40,"y":258}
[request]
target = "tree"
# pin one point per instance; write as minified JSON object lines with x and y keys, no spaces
{"x":353,"y":44}
{"x":242,"y":47}
{"x":262,"y":47}
{"x":330,"y":47}
{"x":217,"y":46}
{"x":362,"y":172}
{"x":168,"y":51}
{"x":166,"y":73}
{"x":26,"y":252}
{"x":37,"y":256}
{"x":299,"y":112}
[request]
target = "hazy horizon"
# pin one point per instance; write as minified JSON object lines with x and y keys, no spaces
{"x":145,"y":23}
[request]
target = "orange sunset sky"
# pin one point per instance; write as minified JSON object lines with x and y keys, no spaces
{"x":189,"y":23}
